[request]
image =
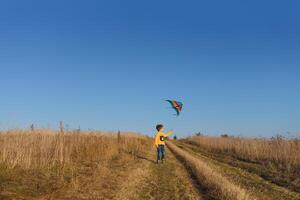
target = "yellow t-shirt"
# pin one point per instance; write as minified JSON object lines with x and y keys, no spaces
{"x":160,"y":138}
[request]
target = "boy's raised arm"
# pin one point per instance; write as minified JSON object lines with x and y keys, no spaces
{"x":169,"y":133}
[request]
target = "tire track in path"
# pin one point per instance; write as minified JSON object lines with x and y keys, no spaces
{"x":258,"y":186}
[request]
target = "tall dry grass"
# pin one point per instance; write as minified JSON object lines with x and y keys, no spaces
{"x":47,"y":149}
{"x":218,"y":185}
{"x":278,"y":152}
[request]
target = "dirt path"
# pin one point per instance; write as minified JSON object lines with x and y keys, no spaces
{"x":160,"y":181}
{"x":137,"y":179}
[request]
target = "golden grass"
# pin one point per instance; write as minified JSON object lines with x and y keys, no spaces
{"x":217,"y":184}
{"x":280,"y":153}
{"x":45,"y":164}
{"x":46,"y":149}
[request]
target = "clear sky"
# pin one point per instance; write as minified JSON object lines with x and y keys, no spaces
{"x":110,"y":65}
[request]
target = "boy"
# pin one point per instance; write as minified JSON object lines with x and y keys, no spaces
{"x":160,"y":142}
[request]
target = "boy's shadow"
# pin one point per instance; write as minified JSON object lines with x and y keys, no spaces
{"x":147,"y":159}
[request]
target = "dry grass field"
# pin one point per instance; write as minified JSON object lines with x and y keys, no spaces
{"x":278,"y":153}
{"x":47,"y":164}
{"x":50,"y":165}
{"x":277,"y":160}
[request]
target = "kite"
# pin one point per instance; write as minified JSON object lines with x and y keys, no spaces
{"x":176,"y":105}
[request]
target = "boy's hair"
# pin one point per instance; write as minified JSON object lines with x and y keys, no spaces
{"x":159,"y":127}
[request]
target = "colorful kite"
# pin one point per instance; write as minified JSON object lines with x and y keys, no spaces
{"x":176,"y":105}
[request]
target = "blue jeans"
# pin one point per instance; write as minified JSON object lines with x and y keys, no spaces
{"x":160,"y":152}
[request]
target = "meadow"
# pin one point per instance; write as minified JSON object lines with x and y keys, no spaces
{"x":277,"y":152}
{"x":43,"y":162}
{"x":47,"y":149}
{"x":61,"y":165}
{"x":276,"y":159}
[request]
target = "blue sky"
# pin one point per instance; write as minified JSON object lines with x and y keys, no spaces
{"x":110,"y":65}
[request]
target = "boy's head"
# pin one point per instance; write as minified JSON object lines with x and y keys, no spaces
{"x":160,"y":127}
